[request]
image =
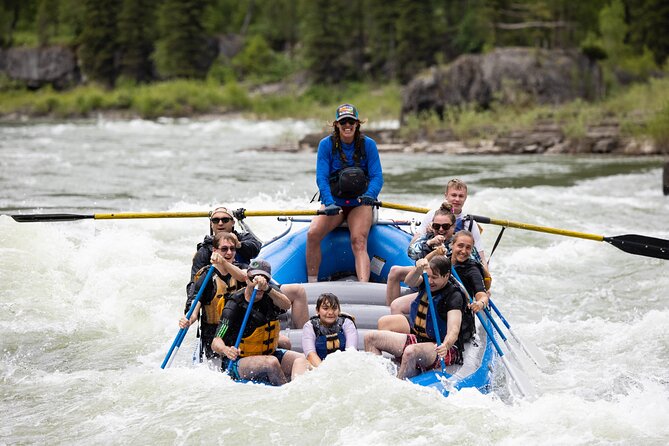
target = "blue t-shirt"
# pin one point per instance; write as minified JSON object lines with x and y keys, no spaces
{"x":329,"y":162}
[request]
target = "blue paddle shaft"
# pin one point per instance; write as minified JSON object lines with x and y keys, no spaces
{"x":182,"y":331}
{"x":433,"y":314}
{"x":246,"y":319}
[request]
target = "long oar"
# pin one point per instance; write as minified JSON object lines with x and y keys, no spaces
{"x":182,"y":331}
{"x":433,"y":314}
{"x":519,"y":378}
{"x":402,"y":207}
{"x":631,"y":243}
{"x":26,"y":218}
{"x":520,"y":358}
{"x":533,"y":352}
{"x":243,"y":327}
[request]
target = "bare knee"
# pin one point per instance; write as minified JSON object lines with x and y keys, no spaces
{"x":359,"y":243}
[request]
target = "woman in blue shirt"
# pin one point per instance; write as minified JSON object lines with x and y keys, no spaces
{"x":349,"y":178}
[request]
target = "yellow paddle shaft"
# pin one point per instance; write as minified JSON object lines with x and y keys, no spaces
{"x":529,"y":227}
{"x":128,"y":215}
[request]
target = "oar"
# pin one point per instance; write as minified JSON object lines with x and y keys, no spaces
{"x":246,"y":319}
{"x":533,"y":352}
{"x":182,"y":331}
{"x":433,"y":314}
{"x":520,"y":358}
{"x":632,"y":243}
{"x":26,"y":218}
{"x":402,"y":207}
{"x":519,"y":378}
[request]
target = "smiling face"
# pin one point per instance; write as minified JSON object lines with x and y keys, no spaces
{"x":347,"y":128}
{"x":227,"y":249}
{"x":443,"y":225}
{"x":462,"y":248}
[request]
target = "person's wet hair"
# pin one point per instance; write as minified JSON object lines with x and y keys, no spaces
{"x":229,"y":236}
{"x":330,"y":298}
{"x":440,"y":265}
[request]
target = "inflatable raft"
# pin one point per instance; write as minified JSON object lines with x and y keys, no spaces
{"x":387,"y":245}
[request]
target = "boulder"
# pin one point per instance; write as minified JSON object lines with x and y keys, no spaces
{"x":56,"y":65}
{"x":507,"y":75}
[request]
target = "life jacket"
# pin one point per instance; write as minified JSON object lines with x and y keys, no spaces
{"x":263,"y":341}
{"x":423,"y":330}
{"x":211,"y":312}
{"x":330,"y":339}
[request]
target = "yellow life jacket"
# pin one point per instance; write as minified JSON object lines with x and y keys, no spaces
{"x":420,"y":321}
{"x":212,"y":311}
{"x":263,"y":341}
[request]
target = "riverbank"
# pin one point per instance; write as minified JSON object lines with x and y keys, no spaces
{"x":632,"y":121}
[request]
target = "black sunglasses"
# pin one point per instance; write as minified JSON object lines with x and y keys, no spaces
{"x":215,"y":220}
{"x":227,"y":248}
{"x":349,"y":121}
{"x":444,"y":226}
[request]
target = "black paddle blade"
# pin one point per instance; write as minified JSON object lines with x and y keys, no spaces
{"x":641,"y":245}
{"x":49,"y":217}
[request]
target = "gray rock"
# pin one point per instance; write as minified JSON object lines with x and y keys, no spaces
{"x":56,"y":65}
{"x":506,"y":75}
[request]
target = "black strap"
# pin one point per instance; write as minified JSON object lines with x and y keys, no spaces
{"x":499,"y":237}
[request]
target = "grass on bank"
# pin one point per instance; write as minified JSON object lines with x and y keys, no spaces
{"x":641,"y":109}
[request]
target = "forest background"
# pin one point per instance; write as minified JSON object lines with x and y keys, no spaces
{"x":300,"y":58}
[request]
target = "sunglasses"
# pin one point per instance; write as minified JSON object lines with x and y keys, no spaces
{"x":227,"y":248}
{"x":444,"y":226}
{"x":215,"y":220}
{"x":349,"y":121}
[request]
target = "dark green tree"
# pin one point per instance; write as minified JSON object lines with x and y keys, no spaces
{"x":136,"y":35}
{"x":47,"y":21}
{"x":417,"y":46}
{"x":648,"y":26}
{"x":380,"y":24}
{"x":183,"y":49}
{"x":333,"y":39}
{"x":99,"y":40}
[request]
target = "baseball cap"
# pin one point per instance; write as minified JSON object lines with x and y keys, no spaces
{"x":346,"y":111}
{"x":260,"y":266}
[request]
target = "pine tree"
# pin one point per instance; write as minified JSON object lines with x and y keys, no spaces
{"x":417,"y":46}
{"x":98,"y":40}
{"x":182,"y":49}
{"x":136,"y":33}
{"x":334,"y":41}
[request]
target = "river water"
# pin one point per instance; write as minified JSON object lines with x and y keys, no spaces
{"x":89,"y":308}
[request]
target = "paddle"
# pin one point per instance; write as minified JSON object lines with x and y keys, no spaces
{"x":631,"y":243}
{"x":433,"y":314}
{"x":536,"y":355}
{"x":27,"y":218}
{"x":182,"y":331}
{"x":521,"y":381}
{"x":243,"y":327}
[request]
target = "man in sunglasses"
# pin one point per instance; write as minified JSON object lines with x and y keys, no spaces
{"x":221,"y":220}
{"x":229,"y":277}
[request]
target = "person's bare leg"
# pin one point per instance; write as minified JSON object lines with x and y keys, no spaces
{"x":422,"y":354}
{"x":320,"y":226}
{"x":299,"y":309}
{"x":253,"y":367}
{"x":359,"y":222}
{"x":402,"y":305}
{"x":377,"y":341}
{"x":394,"y":322}
{"x":395,"y":276}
